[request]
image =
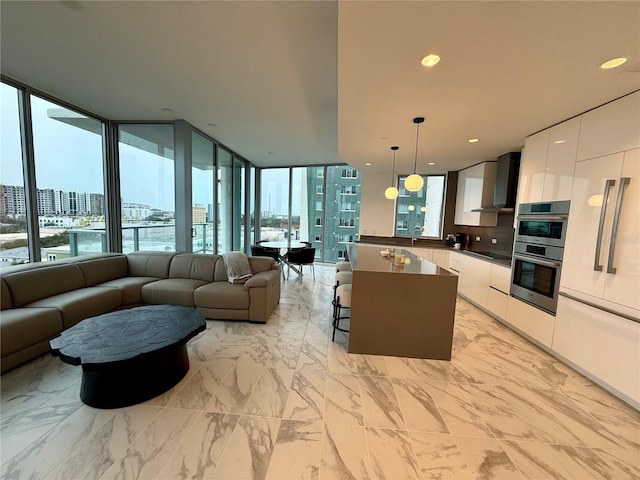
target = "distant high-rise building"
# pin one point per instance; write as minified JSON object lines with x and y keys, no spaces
{"x":333,"y":210}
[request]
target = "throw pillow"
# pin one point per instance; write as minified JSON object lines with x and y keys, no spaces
{"x":237,"y":265}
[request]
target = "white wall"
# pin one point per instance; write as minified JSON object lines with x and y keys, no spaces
{"x":376,"y":212}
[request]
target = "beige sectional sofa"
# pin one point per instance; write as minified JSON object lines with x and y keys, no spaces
{"x":39,"y":300}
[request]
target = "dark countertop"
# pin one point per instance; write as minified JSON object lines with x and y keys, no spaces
{"x":500,"y":258}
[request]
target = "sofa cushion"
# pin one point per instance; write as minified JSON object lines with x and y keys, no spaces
{"x":149,"y":264}
{"x":23,"y":327}
{"x":194,"y":266}
{"x":49,"y":280}
{"x":174,"y":291}
{"x":82,"y":303}
{"x":5,"y":296}
{"x":222,"y":295}
{"x":102,"y":269}
{"x":130,"y":288}
{"x":261,"y":264}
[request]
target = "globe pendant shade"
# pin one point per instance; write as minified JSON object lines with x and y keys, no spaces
{"x":413,"y":182}
{"x":391,"y":193}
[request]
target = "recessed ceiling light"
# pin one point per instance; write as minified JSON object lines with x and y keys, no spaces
{"x":559,"y":141}
{"x":212,"y":124}
{"x":613,"y":63}
{"x":430,"y":60}
{"x":368,"y":164}
{"x":269,"y":153}
{"x":167,"y":110}
{"x":473,"y":140}
{"x":431,"y":163}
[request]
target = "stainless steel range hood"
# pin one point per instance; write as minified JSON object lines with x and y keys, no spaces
{"x":504,"y":193}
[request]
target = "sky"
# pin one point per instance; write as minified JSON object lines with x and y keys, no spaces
{"x":70,"y":158}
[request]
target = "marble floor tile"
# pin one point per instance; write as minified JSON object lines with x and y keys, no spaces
{"x":102,"y":448}
{"x":198,"y":455}
{"x":306,"y":396}
{"x":487,"y":460}
{"x":439,"y":457}
{"x":56,"y":444}
{"x":391,"y":455}
{"x":342,"y":401}
{"x":148,"y":454}
{"x":339,"y":361}
{"x":25,"y":418}
{"x":296,"y":454}
{"x":233,"y":393}
{"x":419,"y":410}
{"x":372,"y":365}
{"x":249,"y":451}
{"x":379,"y":404}
{"x":344,"y":453}
{"x":198,"y":390}
{"x":270,"y":393}
{"x":458,"y":411}
{"x":313,"y":356}
{"x":281,"y":400}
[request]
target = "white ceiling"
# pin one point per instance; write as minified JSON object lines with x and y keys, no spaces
{"x":323,"y":82}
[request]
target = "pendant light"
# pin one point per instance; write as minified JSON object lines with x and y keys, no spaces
{"x":391,"y":192}
{"x":414,"y":182}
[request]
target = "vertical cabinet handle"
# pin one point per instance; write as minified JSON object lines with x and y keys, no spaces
{"x":624,"y":181}
{"x":603,"y":210}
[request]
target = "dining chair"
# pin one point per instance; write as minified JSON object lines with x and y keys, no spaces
{"x":258,"y":251}
{"x":300,"y":257}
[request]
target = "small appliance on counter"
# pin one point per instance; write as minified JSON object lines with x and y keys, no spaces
{"x":460,"y":241}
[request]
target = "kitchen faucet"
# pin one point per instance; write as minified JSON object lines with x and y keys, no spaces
{"x":417,"y":230}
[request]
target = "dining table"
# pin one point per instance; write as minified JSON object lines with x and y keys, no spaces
{"x":285,"y":245}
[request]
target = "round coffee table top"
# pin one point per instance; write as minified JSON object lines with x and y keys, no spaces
{"x":125,"y":334}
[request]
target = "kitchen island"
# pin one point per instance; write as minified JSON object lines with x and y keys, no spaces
{"x":405,"y":311}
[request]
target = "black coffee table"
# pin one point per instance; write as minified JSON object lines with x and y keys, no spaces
{"x":130,"y":356}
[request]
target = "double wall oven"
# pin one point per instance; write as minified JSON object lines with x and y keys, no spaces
{"x":537,"y":253}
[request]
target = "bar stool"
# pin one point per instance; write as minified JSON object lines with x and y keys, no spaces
{"x":343,"y":267}
{"x":342,"y":278}
{"x":342,"y":300}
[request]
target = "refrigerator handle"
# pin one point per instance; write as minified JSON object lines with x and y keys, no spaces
{"x":624,"y":181}
{"x":603,"y":210}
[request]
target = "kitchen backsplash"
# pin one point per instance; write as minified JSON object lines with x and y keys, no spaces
{"x":503,"y":234}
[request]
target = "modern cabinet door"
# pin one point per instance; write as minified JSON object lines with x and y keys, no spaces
{"x":601,"y":248}
{"x":561,"y":160}
{"x":611,"y":128}
{"x":475,"y":190}
{"x":532,"y":165}
{"x":603,"y":344}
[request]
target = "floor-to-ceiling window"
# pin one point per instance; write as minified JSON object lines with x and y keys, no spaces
{"x":325,"y":207}
{"x":301,"y":213}
{"x":342,"y":211}
{"x":147,"y":187}
{"x":13,"y":228}
{"x":68,"y":154}
{"x":252,"y":208}
{"x":202,"y":193}
{"x":238,"y":204}
{"x":225,"y":201}
{"x":274,"y":203}
{"x":419,"y":214}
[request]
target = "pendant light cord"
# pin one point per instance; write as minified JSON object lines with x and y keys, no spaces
{"x":393,"y":170}
{"x":415,"y":158}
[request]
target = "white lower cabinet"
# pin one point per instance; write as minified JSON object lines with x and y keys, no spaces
{"x":498,"y":295}
{"x":603,"y":344}
{"x":441,"y":257}
{"x":530,"y":320}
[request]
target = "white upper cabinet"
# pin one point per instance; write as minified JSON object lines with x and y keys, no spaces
{"x":612,"y":128}
{"x":475,"y":190}
{"x":532,"y":165}
{"x":601,"y":248}
{"x":561,"y":160}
